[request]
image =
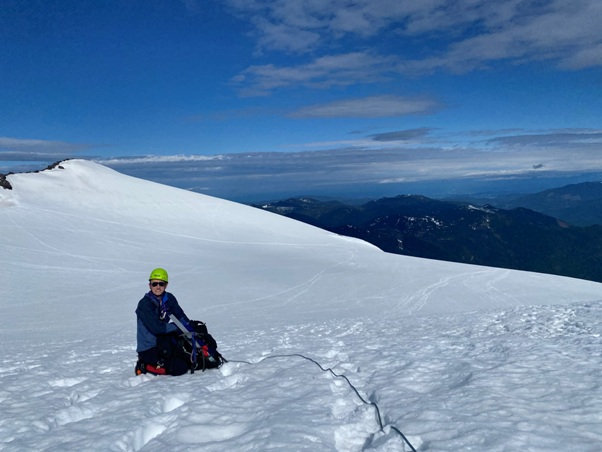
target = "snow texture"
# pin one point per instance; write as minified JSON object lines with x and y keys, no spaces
{"x":457,"y":357}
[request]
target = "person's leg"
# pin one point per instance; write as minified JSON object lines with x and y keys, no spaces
{"x":171,"y":349}
{"x":150,"y":361}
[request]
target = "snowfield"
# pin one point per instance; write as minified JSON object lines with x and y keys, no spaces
{"x":456,"y":357}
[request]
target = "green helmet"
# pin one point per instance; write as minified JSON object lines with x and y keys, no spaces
{"x":160,"y":274}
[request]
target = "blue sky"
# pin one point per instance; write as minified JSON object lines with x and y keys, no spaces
{"x":261,"y":98}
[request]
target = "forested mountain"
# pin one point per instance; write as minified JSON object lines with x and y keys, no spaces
{"x":516,"y":238}
{"x":578,"y":204}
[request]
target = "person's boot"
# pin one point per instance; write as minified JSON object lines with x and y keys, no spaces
{"x":140,"y":368}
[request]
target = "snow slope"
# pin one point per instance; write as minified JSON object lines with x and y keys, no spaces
{"x":455,"y":356}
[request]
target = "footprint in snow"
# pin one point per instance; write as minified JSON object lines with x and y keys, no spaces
{"x":211,"y":433}
{"x":147,"y":432}
{"x":73,"y":414}
{"x":175,"y":401}
{"x":79,"y":397}
{"x":227,"y":382}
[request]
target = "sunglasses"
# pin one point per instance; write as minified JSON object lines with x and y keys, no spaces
{"x":158,"y":283}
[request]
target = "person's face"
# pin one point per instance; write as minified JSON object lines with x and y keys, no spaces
{"x":157,"y":286}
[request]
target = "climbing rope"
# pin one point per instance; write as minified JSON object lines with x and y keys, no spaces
{"x":336,"y":375}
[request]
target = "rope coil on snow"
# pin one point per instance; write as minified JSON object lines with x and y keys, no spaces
{"x":328,"y":369}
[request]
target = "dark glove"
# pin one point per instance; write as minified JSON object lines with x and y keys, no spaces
{"x":199,"y":327}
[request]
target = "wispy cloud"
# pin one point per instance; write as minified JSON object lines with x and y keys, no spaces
{"x":457,"y":36}
{"x":564,"y":33}
{"x":369,"y":107}
{"x":34,"y":150}
{"x":551,"y":139}
{"x":403,"y":135}
{"x":40,"y":146}
{"x":323,"y":72}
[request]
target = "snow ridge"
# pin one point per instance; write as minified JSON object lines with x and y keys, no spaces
{"x":459,"y":357}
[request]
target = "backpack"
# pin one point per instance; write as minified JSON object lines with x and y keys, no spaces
{"x":177,"y":356}
{"x":205,"y":354}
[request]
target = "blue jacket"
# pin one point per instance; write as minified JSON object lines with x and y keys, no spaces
{"x":153,"y":319}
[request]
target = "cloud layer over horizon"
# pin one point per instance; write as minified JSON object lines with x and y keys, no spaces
{"x":399,"y":159}
{"x":403,"y":158}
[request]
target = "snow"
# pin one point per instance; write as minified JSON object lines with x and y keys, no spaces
{"x":457,"y":357}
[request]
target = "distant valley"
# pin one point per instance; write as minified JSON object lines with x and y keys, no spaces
{"x":568,"y":243}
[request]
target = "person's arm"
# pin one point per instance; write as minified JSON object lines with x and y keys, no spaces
{"x":147,"y":314}
{"x":176,"y":310}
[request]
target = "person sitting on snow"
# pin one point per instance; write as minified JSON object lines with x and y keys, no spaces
{"x":159,"y":341}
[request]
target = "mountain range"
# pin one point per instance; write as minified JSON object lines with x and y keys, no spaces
{"x":517,"y":238}
{"x":577,"y":204}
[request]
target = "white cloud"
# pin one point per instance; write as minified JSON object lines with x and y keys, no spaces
{"x":583,"y":58}
{"x":406,"y":156}
{"x":280,"y":36}
{"x":559,"y":139}
{"x":566,"y":33}
{"x":403,"y":135}
{"x":323,"y":72}
{"x":458,"y":36}
{"x":368,"y":107}
{"x":9,"y":143}
{"x":176,"y":158}
{"x":32,"y":150}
